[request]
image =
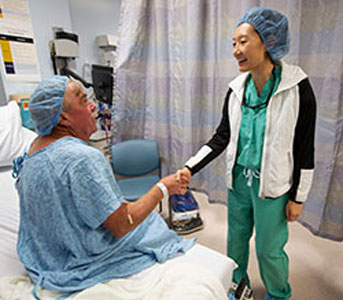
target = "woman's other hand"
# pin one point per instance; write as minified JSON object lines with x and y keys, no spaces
{"x":293,"y":210}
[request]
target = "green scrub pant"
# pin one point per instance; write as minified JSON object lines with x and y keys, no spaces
{"x":246,"y":210}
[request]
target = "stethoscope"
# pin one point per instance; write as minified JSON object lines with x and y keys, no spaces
{"x":264,"y":104}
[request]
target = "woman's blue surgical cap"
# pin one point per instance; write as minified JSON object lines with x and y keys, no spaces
{"x":272,"y":27}
{"x":46,"y":103}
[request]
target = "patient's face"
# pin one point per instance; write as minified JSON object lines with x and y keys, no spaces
{"x":81,"y":112}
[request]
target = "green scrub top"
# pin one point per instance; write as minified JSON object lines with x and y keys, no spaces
{"x":251,"y":133}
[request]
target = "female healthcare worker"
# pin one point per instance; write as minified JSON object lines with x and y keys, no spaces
{"x":267,"y":126}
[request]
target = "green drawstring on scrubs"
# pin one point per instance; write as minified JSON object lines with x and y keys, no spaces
{"x":246,"y":209}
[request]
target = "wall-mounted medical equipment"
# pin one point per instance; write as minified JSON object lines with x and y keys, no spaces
{"x":107,"y":41}
{"x":64,"y":47}
{"x":64,"y":51}
{"x":107,"y":49}
{"x":102,"y":77}
{"x":66,"y":44}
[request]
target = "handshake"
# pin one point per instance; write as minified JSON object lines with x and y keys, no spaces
{"x":177,"y":183}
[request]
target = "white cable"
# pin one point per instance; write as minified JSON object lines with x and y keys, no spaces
{"x":164,"y":190}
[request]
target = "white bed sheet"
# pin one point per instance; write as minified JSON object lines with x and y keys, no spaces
{"x":171,"y":280}
{"x":218,"y":267}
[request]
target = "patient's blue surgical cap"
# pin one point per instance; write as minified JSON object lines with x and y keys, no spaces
{"x":272,"y":27}
{"x":46,"y":103}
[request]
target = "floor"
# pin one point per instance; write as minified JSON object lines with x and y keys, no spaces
{"x":316,"y":264}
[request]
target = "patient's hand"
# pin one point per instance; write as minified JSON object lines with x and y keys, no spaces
{"x":184,"y":176}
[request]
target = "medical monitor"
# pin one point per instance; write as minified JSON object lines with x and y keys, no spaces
{"x":102,"y":77}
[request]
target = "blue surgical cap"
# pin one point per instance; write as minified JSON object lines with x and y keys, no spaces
{"x":272,"y":27}
{"x":46,"y":103}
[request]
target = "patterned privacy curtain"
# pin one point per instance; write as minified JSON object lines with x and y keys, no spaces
{"x":175,"y":62}
{"x":318,"y":43}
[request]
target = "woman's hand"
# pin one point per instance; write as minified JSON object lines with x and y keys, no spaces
{"x":184,"y":176}
{"x":175,"y":184}
{"x":293,"y":210}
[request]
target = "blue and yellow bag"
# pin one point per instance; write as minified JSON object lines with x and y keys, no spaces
{"x":184,"y":214}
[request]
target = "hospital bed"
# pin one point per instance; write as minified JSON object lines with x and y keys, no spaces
{"x":161,"y":281}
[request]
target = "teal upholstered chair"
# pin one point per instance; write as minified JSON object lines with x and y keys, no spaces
{"x":136,"y":165}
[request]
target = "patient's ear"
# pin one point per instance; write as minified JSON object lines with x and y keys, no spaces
{"x":64,"y":119}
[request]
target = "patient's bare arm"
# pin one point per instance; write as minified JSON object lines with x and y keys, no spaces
{"x":130,"y":214}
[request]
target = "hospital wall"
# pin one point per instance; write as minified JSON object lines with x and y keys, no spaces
{"x":87,"y":18}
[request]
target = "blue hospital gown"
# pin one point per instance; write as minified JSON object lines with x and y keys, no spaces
{"x":67,"y":191}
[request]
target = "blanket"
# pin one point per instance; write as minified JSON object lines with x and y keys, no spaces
{"x":171,"y":280}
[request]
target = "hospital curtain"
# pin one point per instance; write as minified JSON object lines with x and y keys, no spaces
{"x":174,"y":64}
{"x":317,"y":40}
{"x":175,"y":61}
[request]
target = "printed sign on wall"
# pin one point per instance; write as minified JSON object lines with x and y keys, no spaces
{"x":18,"y":51}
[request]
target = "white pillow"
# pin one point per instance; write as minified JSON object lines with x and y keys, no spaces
{"x":9,"y":225}
{"x":14,"y":139}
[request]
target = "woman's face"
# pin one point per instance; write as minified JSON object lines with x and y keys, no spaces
{"x":248,"y":48}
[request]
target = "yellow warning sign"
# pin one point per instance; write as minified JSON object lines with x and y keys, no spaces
{"x":6,"y":51}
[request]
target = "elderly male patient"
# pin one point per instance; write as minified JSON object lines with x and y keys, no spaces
{"x":76,"y":229}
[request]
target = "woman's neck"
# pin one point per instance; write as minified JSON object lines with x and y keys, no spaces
{"x":261,"y":75}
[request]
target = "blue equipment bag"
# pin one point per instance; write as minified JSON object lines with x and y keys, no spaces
{"x":184,"y":214}
{"x":182,"y":203}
